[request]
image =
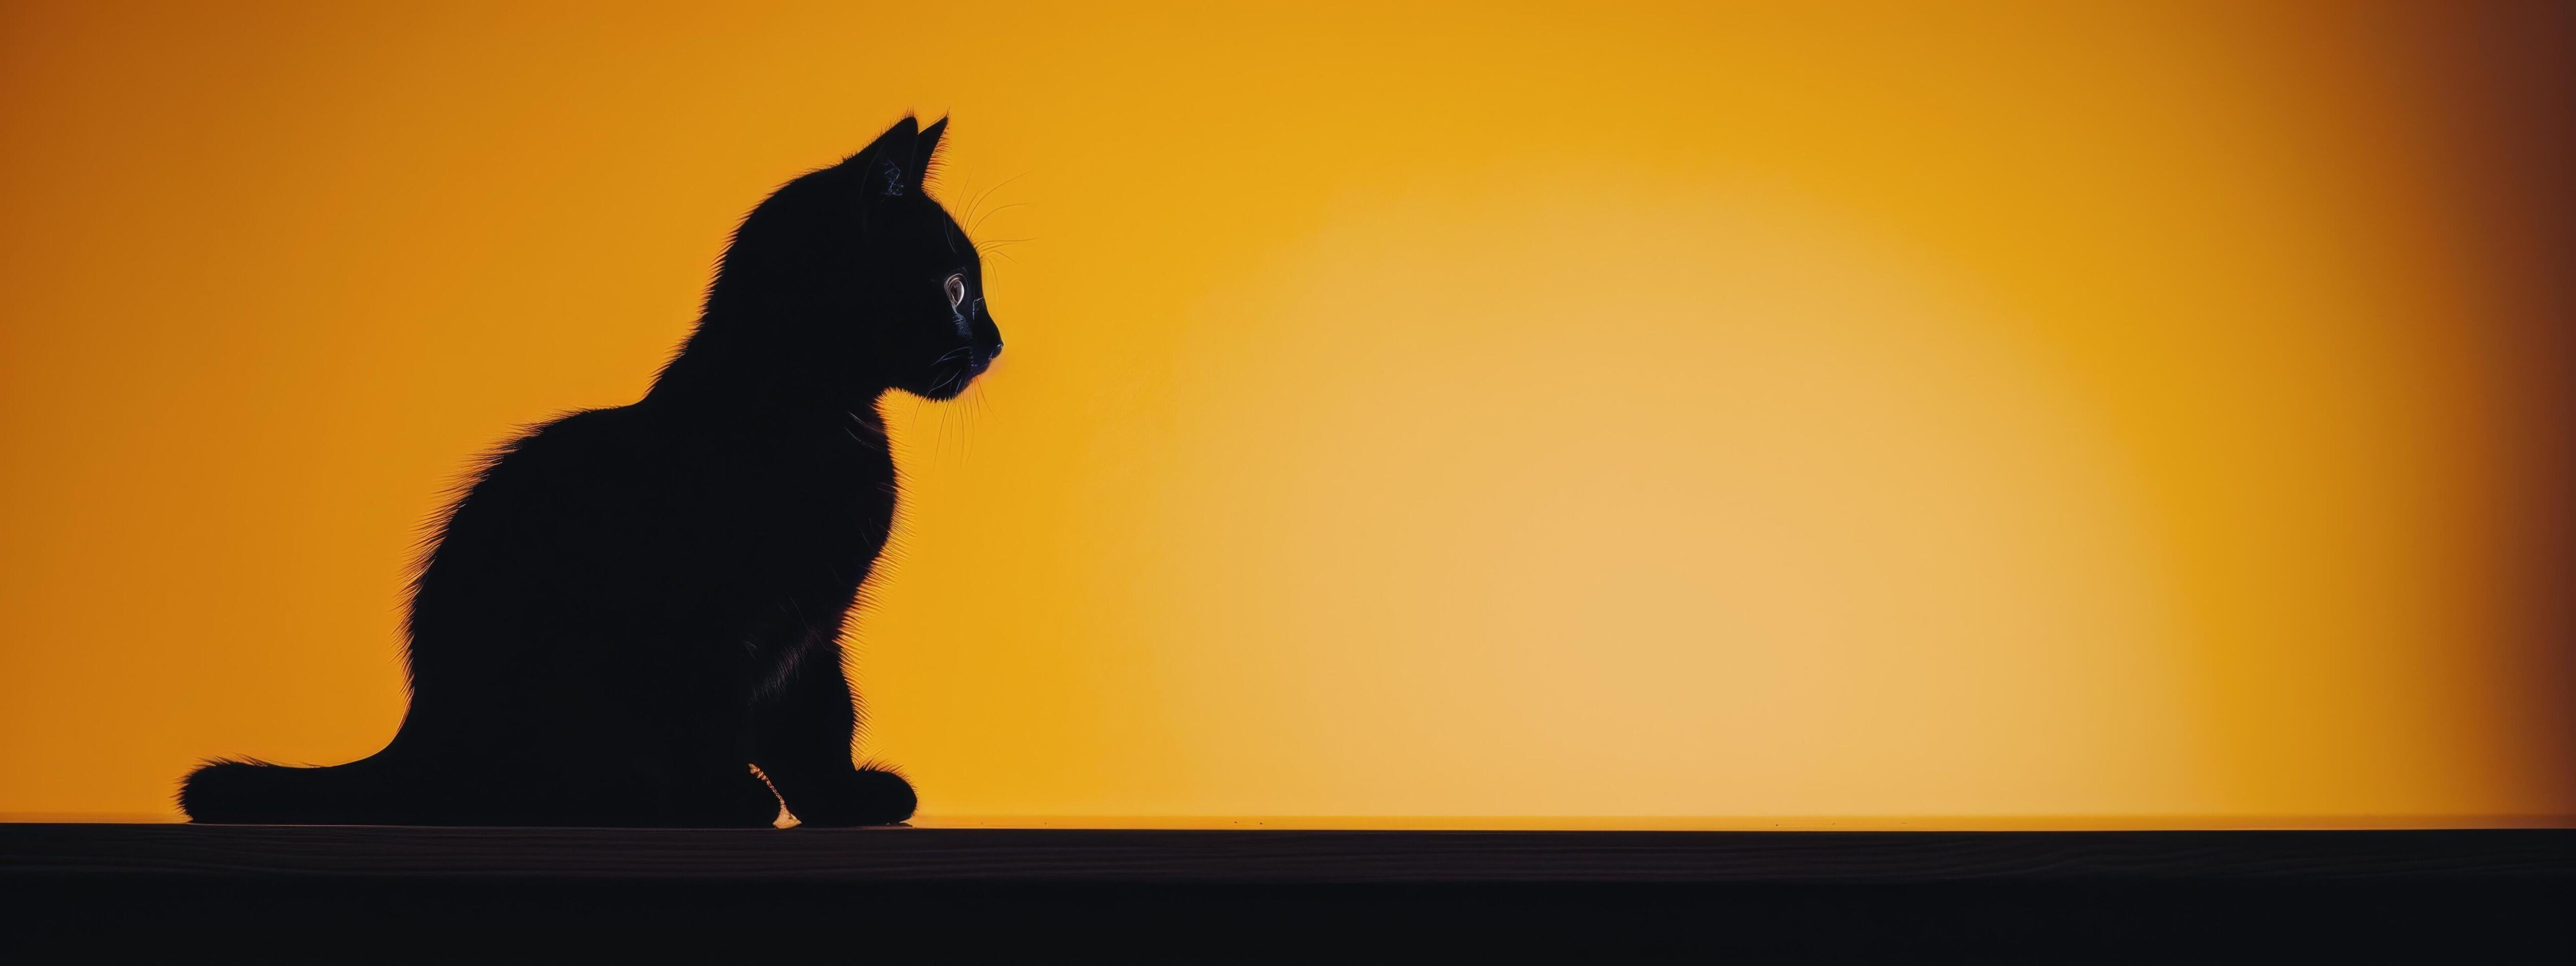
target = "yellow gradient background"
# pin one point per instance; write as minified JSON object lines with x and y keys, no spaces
{"x":2051,"y":414}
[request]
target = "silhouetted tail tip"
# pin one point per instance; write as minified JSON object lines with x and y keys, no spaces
{"x":240,"y":792}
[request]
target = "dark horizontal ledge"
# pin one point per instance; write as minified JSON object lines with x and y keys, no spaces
{"x":896,"y":855}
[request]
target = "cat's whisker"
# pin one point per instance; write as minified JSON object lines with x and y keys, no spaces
{"x":979,"y":219}
{"x":988,"y":192}
{"x":997,"y":247}
{"x":976,"y":403}
{"x":964,"y":186}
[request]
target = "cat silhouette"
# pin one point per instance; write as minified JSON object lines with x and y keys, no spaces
{"x":632,"y":615}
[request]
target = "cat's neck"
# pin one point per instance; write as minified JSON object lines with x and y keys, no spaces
{"x":714,"y":378}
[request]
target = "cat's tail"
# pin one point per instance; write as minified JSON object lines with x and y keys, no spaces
{"x":233,"y":792}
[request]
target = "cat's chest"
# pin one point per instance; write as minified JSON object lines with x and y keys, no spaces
{"x":833,"y":498}
{"x":828,"y":485}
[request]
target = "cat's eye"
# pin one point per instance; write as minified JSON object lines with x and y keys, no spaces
{"x":956,"y":286}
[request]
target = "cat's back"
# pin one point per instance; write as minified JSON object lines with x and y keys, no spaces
{"x":567,"y":464}
{"x":576,"y":487}
{"x":638,"y":496}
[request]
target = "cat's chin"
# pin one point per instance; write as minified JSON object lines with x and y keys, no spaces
{"x":944,"y":388}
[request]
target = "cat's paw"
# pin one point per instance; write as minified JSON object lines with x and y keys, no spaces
{"x":861,"y":796}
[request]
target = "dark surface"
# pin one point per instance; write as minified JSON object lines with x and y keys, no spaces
{"x":1282,"y":856}
{"x":364,"y":893}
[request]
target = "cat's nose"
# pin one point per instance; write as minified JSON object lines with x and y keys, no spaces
{"x":996,"y":353}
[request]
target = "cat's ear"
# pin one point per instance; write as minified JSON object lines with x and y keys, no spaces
{"x":890,"y":167}
{"x":925,"y":151}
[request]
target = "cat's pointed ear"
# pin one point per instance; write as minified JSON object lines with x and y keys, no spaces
{"x":925,"y":151}
{"x":888,"y":168}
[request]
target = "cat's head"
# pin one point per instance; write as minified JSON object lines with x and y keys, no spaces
{"x":854,"y":280}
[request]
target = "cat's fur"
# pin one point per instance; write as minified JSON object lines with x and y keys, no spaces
{"x":630,"y":608}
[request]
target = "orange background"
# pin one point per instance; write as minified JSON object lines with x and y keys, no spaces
{"x":2037,"y":414}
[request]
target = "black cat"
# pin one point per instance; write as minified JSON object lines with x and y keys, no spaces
{"x":631,"y":608}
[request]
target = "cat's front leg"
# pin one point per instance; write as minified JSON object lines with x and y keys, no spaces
{"x":801,"y":739}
